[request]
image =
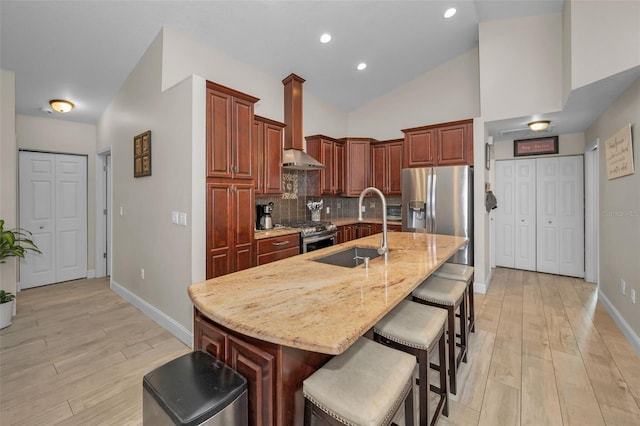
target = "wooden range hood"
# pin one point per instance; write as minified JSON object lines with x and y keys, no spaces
{"x":294,"y":156}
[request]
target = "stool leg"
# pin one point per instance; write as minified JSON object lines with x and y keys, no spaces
{"x":443,"y":373}
{"x":423,"y":383}
{"x":472,"y":316}
{"x":451,"y":331}
{"x":463,"y":328}
{"x":307,"y":412}
{"x":408,"y":407}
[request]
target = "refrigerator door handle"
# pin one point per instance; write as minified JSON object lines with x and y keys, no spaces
{"x":433,"y":201}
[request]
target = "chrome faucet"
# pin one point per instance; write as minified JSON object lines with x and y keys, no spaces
{"x":384,"y":248}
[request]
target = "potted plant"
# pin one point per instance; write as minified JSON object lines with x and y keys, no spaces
{"x":13,"y":243}
{"x":6,"y":308}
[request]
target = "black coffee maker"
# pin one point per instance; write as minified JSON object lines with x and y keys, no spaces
{"x":263,"y":216}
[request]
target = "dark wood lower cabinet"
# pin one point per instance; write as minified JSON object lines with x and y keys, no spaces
{"x":274,"y":372}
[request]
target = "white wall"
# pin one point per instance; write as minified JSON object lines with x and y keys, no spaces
{"x":66,"y":137}
{"x":521,"y":66}
{"x":8,"y":171}
{"x":143,"y":236}
{"x":605,"y":36}
{"x":183,"y":57}
{"x":620,"y":212}
{"x":449,"y":92}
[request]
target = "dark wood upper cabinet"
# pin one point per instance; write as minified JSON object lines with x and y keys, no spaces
{"x":268,"y":135}
{"x":357,"y":173}
{"x":230,"y":145}
{"x":386,"y":166}
{"x":446,"y":144}
{"x":329,"y":152}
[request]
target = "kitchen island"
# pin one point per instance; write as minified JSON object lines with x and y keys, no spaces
{"x":276,"y":324}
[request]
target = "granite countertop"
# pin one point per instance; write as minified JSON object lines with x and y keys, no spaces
{"x":274,"y":232}
{"x":313,"y":306}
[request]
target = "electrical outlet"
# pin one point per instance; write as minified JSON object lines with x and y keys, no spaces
{"x":328,"y":210}
{"x":174,"y":217}
{"x":183,"y":219}
{"x":633,"y":296}
{"x":142,"y":273}
{"x":623,"y":286}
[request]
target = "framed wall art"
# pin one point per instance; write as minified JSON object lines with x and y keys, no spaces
{"x":142,"y":154}
{"x":539,"y":146}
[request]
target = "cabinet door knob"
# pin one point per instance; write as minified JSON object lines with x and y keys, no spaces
{"x":550,"y":222}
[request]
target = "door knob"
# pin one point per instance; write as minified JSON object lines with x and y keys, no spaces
{"x":550,"y":222}
{"x":41,"y":226}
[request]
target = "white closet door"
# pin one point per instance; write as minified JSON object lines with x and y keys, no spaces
{"x":53,"y":206}
{"x":37,"y":214}
{"x":71,"y":217}
{"x":525,"y":215}
{"x":560,"y":216}
{"x":505,"y":214}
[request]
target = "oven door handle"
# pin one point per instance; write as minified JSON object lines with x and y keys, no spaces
{"x":316,"y":238}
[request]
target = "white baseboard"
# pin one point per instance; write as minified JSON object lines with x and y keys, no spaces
{"x":91,"y":273}
{"x":482,"y":288}
{"x":626,"y":329}
{"x":155,"y":314}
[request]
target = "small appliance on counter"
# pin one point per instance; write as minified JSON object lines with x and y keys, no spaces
{"x":263,"y":216}
{"x":315,"y":207}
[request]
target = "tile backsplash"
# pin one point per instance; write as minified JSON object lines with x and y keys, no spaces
{"x":292,"y":205}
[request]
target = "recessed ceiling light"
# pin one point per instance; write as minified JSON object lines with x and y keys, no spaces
{"x":325,"y":38}
{"x":450,"y":12}
{"x":361,"y":66}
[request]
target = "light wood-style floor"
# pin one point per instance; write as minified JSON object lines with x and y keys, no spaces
{"x":76,"y":354}
{"x":544,"y":353}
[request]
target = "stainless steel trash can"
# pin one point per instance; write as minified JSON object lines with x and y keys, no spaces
{"x":194,"y":389}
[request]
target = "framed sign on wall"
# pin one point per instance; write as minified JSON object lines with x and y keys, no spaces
{"x":538,"y":146}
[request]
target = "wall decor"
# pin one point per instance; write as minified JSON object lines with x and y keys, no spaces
{"x":619,"y":154}
{"x":538,"y":146}
{"x":142,"y":154}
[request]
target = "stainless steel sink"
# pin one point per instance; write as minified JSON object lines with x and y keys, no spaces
{"x":349,"y":258}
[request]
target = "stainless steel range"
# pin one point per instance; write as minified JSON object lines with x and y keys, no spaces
{"x":315,"y":235}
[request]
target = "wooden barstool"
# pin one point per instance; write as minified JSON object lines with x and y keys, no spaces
{"x":415,"y":329}
{"x":365,"y":385}
{"x":458,"y":272}
{"x":449,"y":295}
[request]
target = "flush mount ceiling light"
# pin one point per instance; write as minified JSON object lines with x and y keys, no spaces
{"x":60,"y":105}
{"x":361,"y":66}
{"x":538,"y":126}
{"x":325,"y":38}
{"x":450,"y":12}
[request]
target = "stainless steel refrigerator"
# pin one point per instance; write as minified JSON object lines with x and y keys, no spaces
{"x":439,"y":200}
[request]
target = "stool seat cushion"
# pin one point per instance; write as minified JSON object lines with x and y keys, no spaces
{"x":441,"y":291}
{"x":454,"y":271}
{"x":365,"y":385}
{"x":413,"y":325}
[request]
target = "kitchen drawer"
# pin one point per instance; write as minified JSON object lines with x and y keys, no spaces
{"x":277,"y":255}
{"x":284,"y":242}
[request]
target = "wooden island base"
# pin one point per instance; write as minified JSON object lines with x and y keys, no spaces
{"x":274,"y":372}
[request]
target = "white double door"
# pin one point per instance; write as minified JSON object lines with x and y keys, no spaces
{"x":53,"y":206}
{"x":540,"y":215}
